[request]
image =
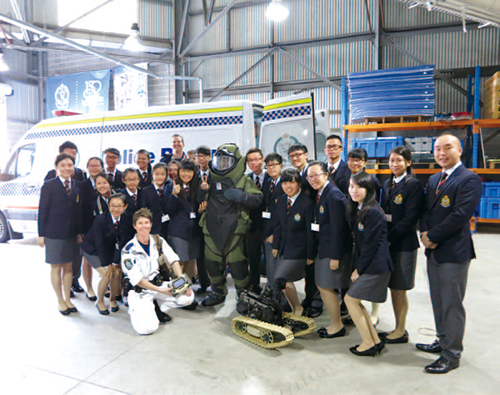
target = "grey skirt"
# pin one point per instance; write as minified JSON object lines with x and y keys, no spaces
{"x":290,"y":269}
{"x":405,"y":265}
{"x":186,"y":249}
{"x":333,"y":279}
{"x":58,"y":251}
{"x":370,"y":287}
{"x":94,"y":260}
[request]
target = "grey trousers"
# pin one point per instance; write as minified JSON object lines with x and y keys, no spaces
{"x":271,"y":263}
{"x":448,"y":282}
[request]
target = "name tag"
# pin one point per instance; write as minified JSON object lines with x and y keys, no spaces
{"x":388,"y":217}
{"x":165,"y":218}
{"x":218,"y":186}
{"x":315,"y":227}
{"x":192,"y":215}
{"x":266,"y":215}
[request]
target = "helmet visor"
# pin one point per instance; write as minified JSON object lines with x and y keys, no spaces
{"x":221,"y":162}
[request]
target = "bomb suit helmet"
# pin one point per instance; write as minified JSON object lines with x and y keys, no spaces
{"x":225,"y":159}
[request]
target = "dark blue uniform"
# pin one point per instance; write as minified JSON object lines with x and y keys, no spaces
{"x":145,"y":178}
{"x":341,"y":177}
{"x":158,"y":206}
{"x":79,"y":175}
{"x":183,"y":215}
{"x":270,"y":204}
{"x":132,"y":205}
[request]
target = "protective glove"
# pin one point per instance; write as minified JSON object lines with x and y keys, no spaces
{"x":236,"y":195}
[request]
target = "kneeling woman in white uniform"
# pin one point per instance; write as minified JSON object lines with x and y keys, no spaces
{"x":140,"y":266}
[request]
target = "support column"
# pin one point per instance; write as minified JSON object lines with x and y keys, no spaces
{"x":178,"y":69}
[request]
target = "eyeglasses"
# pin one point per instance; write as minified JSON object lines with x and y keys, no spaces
{"x":335,"y":147}
{"x":114,"y":206}
{"x":131,"y":179}
{"x":314,"y":176}
{"x":272,"y":165}
{"x":355,"y":160}
{"x":296,"y":156}
{"x":254,"y":160}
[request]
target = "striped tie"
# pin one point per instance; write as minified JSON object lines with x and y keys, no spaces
{"x":271,"y":187}
{"x":257,"y":182}
{"x":134,"y":198}
{"x":289,"y":204}
{"x":117,"y":225}
{"x":444,"y":176}
{"x":67,"y":187}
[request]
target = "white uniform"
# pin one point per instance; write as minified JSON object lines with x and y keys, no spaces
{"x":138,"y":265}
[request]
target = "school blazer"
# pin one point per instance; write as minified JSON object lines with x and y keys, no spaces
{"x":149,"y":198}
{"x":131,"y":206}
{"x":292,"y":235}
{"x":270,"y":204}
{"x":117,"y":182}
{"x":256,"y":213}
{"x":447,"y":215}
{"x":371,"y":251}
{"x":59,"y":215}
{"x":181,"y":224}
{"x":333,"y":238}
{"x":145,"y":181}
{"x":405,"y":203}
{"x":89,"y":196}
{"x":341,"y":177}
{"x":306,"y":187}
{"x":102,"y":238}
{"x":79,"y":175}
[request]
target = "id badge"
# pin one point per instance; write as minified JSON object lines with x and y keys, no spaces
{"x":388,"y":217}
{"x":266,"y":215}
{"x":315,"y":227}
{"x":218,"y":186}
{"x":165,"y":218}
{"x":192,"y":215}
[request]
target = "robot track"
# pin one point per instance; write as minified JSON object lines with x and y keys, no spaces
{"x":261,"y":333}
{"x":300,"y":326}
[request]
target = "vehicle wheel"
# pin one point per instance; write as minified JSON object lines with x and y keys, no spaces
{"x":4,"y":229}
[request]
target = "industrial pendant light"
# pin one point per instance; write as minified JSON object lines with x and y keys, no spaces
{"x":133,"y":43}
{"x":277,"y":11}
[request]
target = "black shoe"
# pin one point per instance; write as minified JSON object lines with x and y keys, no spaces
{"x":115,"y":309}
{"x":192,"y":306}
{"x":213,"y":300}
{"x":371,"y":352}
{"x":102,"y":312}
{"x":313,"y":312}
{"x":202,"y":290}
{"x":162,"y":317}
{"x":91,"y":298}
{"x":119,"y":298}
{"x":441,"y":366}
{"x":325,"y":335}
{"x":64,"y":312}
{"x":76,"y":288}
{"x":73,"y":309}
{"x":380,"y":346}
{"x":107,"y":295}
{"x":434,"y":348}
{"x":347,"y":321}
{"x":398,"y":340}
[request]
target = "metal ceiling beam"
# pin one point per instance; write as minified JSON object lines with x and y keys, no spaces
{"x":368,"y":17}
{"x":183,"y":26}
{"x":73,"y":44}
{"x":246,"y":4}
{"x":210,"y":11}
{"x":209,"y":26}
{"x":19,"y":15}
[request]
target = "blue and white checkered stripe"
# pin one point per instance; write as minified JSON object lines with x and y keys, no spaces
{"x":19,"y":189}
{"x":157,"y":125}
{"x":286,"y":113}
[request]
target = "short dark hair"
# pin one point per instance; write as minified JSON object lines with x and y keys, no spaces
{"x":67,"y":145}
{"x":204,"y":150}
{"x":274,"y":157}
{"x":255,"y":150}
{"x":334,"y":137}
{"x":120,"y":196}
{"x":113,"y":151}
{"x":61,"y":157}
{"x":297,"y":147}
{"x":130,"y":170}
{"x":178,"y":135}
{"x":160,"y":165}
{"x":96,"y":158}
{"x":322,"y":165}
{"x":106,"y":176}
{"x":405,"y":152}
{"x":358,"y":153}
{"x":142,"y":213}
{"x":144,"y":152}
{"x":291,"y":175}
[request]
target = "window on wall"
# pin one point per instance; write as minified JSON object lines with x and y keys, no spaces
{"x":125,"y":11}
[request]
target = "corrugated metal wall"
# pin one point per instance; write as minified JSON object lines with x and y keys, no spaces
{"x":156,"y":19}
{"x":398,"y":14}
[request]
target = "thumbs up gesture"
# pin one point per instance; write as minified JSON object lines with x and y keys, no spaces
{"x":176,"y":189}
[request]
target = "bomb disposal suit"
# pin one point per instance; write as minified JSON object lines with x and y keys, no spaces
{"x":226,"y":221}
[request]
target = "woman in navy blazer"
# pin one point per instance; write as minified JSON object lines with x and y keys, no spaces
{"x":143,"y":160}
{"x":293,"y":241}
{"x":60,"y":228}
{"x":371,"y":260}
{"x":131,"y":178}
{"x":403,"y":205}
{"x":102,"y":246}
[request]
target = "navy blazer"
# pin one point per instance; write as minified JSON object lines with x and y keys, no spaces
{"x":132,"y":206}
{"x":89,"y":196}
{"x":79,"y":175}
{"x":59,"y":215}
{"x":147,"y":180}
{"x":256,"y":213}
{"x":341,"y":177}
{"x":306,"y":187}
{"x":179,"y":210}
{"x":270,"y":204}
{"x":447,"y":215}
{"x":117,"y":181}
{"x":333,"y":239}
{"x":292,"y":235}
{"x":371,"y":250}
{"x":149,"y":198}
{"x":405,"y":203}
{"x":103,"y":237}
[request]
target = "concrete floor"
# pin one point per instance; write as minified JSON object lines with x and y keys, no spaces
{"x":197,"y":353}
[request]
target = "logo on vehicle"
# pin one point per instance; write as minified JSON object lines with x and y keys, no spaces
{"x":283,"y":143}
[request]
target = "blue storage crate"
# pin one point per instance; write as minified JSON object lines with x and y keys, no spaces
{"x":491,"y":189}
{"x":369,"y":144}
{"x":490,"y":208}
{"x":377,"y":147}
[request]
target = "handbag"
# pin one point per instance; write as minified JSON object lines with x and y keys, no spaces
{"x":163,"y":263}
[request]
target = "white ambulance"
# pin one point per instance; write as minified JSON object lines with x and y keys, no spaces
{"x":273,"y":126}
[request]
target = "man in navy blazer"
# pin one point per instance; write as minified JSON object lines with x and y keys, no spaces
{"x":337,"y":168}
{"x":451,"y":199}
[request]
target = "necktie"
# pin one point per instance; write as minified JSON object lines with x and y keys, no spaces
{"x":112,"y":177}
{"x":444,"y":176}
{"x":393,"y":184}
{"x":188,"y":191}
{"x":160,"y":192}
{"x":318,"y":198}
{"x":67,"y":187}
{"x":117,"y":225}
{"x":257,"y":182}
{"x":271,"y":187}
{"x":144,"y":175}
{"x":331,"y":169}
{"x":134,"y":198}
{"x":289,"y":204}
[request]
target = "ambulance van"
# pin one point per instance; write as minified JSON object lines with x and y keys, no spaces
{"x":273,"y":126}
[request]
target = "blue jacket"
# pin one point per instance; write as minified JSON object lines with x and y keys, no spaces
{"x":89,"y":196}
{"x":149,"y":198}
{"x":292,"y":235}
{"x":131,"y":206}
{"x":179,"y":210}
{"x":256,"y":213}
{"x":270,"y":205}
{"x":341,"y":177}
{"x":447,"y":215}
{"x":404,"y":203}
{"x":59,"y":215}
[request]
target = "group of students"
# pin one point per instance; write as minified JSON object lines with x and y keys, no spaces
{"x":331,"y":223}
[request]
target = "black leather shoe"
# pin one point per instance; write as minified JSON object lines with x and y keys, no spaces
{"x":213,"y":300}
{"x":380,"y":346}
{"x":398,"y":340}
{"x":91,"y":298}
{"x":76,"y":288}
{"x":202,"y":290}
{"x":119,"y":298}
{"x":162,"y":317}
{"x":102,"y":312}
{"x":313,"y":312}
{"x":371,"y":352}
{"x":347,"y":321}
{"x":73,"y":309}
{"x":325,"y":335}
{"x":115,"y":309}
{"x":64,"y":312}
{"x":192,"y":306}
{"x":434,"y":348}
{"x":441,"y":366}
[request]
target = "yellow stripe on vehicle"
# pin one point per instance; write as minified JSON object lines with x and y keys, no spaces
{"x":287,"y":104}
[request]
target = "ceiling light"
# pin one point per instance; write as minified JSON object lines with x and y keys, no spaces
{"x":277,"y":11}
{"x":484,"y":24}
{"x":3,"y":65}
{"x":429,"y":6}
{"x":133,"y":43}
